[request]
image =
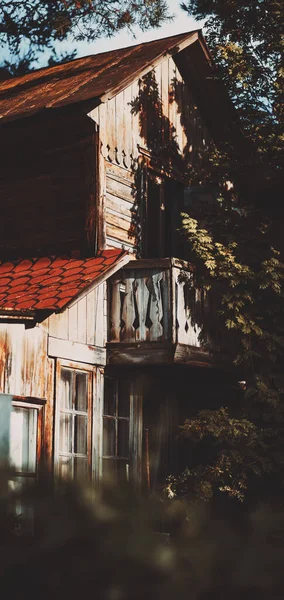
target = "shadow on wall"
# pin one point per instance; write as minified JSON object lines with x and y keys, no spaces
{"x":160,"y":138}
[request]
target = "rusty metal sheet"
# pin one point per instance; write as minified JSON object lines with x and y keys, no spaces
{"x":82,"y":79}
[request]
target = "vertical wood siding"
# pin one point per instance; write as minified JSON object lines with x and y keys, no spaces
{"x":24,"y":369}
{"x":84,"y":321}
{"x":159,"y":106}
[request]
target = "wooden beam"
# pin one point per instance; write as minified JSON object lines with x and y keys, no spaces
{"x":93,"y":355}
{"x":156,"y":353}
{"x":192,"y":355}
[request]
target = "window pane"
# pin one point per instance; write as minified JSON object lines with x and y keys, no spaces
{"x":23,"y":438}
{"x":66,"y":389}
{"x":65,"y":467}
{"x":110,"y":396}
{"x":109,"y":437}
{"x":65,"y":432}
{"x":123,"y":438}
{"x":80,"y":438}
{"x":81,"y":397}
{"x":123,"y":399}
{"x":80,"y":468}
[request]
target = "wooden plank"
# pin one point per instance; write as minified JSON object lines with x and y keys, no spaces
{"x":99,"y":317}
{"x":172,"y":103}
{"x":144,"y":353}
{"x":156,"y":308}
{"x":112,"y":243}
{"x":135,"y":122}
{"x":102,"y":119}
{"x":120,"y":130}
{"x":110,"y":128}
{"x":92,"y":355}
{"x":120,"y":173}
{"x":58,"y":325}
{"x":118,"y":221}
{"x":191,"y":355}
{"x":114,"y":322}
{"x":91,"y":308}
{"x":127,"y":134}
{"x":49,"y":416}
{"x":82,"y":320}
{"x":119,"y":234}
{"x":165,"y":100}
{"x":101,"y":233}
{"x":97,"y":446}
{"x":128,"y":312}
{"x":154,"y":353}
{"x":73,"y":322}
{"x":119,"y":205}
{"x":121,"y":189}
{"x":142,"y":295}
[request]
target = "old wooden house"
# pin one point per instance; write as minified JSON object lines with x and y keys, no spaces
{"x":100,"y":346}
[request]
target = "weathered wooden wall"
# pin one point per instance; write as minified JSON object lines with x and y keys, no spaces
{"x":47,"y":175}
{"x":84,"y":321}
{"x":24,"y":365}
{"x":154,"y":113}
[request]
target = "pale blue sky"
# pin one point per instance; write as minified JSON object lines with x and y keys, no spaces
{"x":180,"y":24}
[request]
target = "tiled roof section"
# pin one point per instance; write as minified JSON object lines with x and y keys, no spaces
{"x":51,"y":283}
{"x":84,"y":78}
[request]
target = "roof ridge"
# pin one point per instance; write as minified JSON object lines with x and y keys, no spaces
{"x":54,"y":68}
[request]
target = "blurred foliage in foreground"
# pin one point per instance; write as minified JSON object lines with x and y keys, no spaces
{"x":105,"y":544}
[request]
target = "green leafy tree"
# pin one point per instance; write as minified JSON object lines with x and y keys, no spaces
{"x":246,"y":41}
{"x":236,"y":247}
{"x":30,"y":27}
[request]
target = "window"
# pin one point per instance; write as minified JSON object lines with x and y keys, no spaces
{"x":163,"y":204}
{"x":116,"y":429}
{"x":25,"y":442}
{"x":73,"y":444}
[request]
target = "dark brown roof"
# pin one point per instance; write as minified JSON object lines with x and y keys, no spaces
{"x":49,"y":284}
{"x":91,"y":77}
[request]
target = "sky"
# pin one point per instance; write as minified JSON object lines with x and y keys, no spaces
{"x":180,"y":24}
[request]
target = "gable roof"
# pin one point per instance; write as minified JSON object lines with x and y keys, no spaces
{"x":50,"y":284}
{"x":92,"y":77}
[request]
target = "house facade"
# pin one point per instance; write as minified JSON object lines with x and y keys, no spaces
{"x":101,"y":352}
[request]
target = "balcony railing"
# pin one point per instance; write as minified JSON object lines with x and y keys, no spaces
{"x":153,"y":304}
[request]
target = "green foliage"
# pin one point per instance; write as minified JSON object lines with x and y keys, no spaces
{"x":29,"y":27}
{"x":246,"y":41}
{"x":234,"y":248}
{"x":243,"y":275}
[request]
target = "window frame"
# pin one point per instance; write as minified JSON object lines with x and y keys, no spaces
{"x":116,"y":418}
{"x":135,"y":426}
{"x":91,"y":373}
{"x":39,"y":405}
{"x":168,"y":201}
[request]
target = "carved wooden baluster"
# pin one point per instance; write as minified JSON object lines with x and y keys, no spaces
{"x":155,"y":307}
{"x":142,"y":296}
{"x":128,"y":333}
{"x":181,"y":317}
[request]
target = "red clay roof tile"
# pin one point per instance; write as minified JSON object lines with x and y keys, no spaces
{"x":51,"y":283}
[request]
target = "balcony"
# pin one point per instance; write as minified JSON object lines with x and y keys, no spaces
{"x":155,"y":315}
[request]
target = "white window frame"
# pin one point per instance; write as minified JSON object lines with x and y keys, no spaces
{"x":90,"y":370}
